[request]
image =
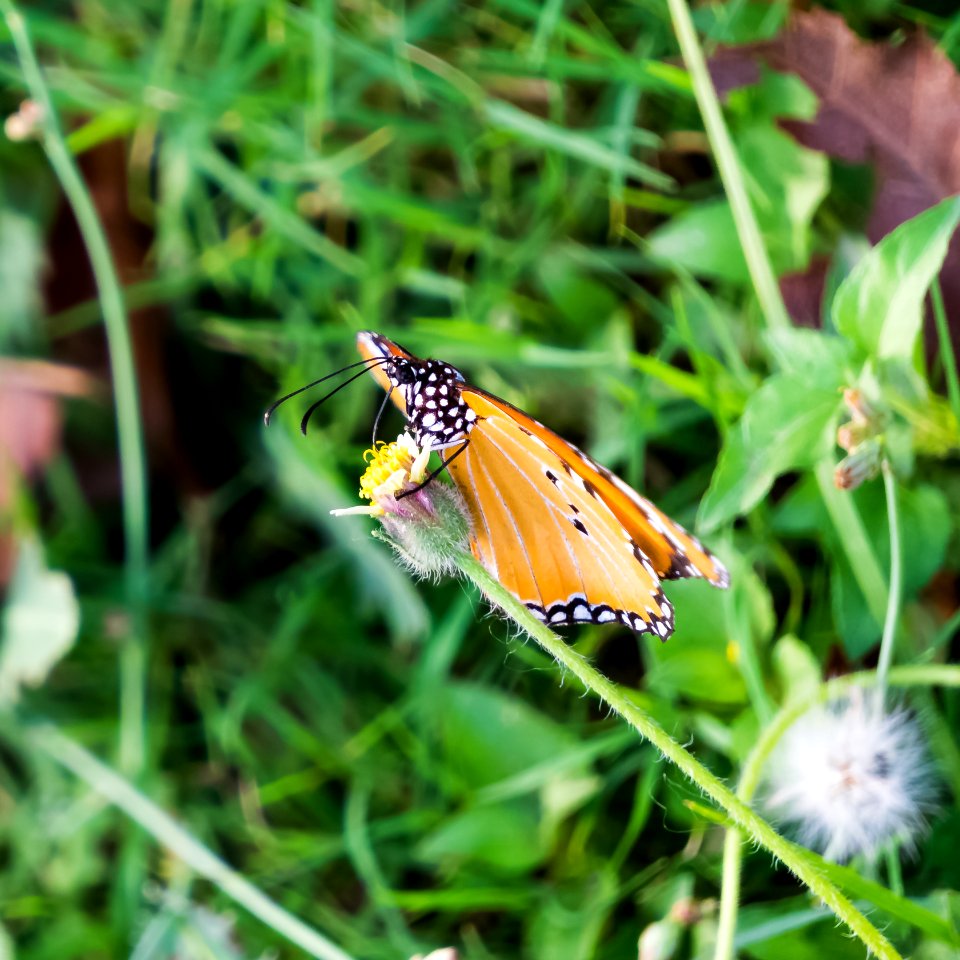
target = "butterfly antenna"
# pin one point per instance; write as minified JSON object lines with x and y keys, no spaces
{"x":370,"y":362}
{"x":376,"y":422}
{"x":326,"y":397}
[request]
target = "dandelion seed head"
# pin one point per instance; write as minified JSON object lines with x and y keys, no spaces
{"x":848,"y":777}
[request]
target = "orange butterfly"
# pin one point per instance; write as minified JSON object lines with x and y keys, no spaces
{"x":569,"y":539}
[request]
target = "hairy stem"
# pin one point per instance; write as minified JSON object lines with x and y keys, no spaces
{"x":907,"y":676}
{"x":798,"y":860}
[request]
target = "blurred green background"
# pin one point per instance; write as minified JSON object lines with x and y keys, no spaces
{"x":526,"y":191}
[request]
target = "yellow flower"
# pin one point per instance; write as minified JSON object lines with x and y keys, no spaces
{"x":392,"y":466}
{"x":425,"y":523}
{"x":391,"y":469}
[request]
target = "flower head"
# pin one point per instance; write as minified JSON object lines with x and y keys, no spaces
{"x":862,"y":463}
{"x":862,"y":437}
{"x":849,"y":777}
{"x":392,"y":468}
{"x":426,"y":523}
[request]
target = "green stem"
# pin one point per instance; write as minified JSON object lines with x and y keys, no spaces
{"x":853,"y":538}
{"x":729,"y":895}
{"x":728,"y":164}
{"x":891,"y":856}
{"x":907,"y":676}
{"x":126,"y":394}
{"x":793,"y":857}
{"x":166,"y":831}
{"x":946,"y":347}
{"x":894,"y":591}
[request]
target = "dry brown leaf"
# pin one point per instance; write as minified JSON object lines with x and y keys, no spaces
{"x":896,"y":107}
{"x":30,"y":427}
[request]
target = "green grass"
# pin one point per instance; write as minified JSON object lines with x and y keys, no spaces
{"x":266,"y":738}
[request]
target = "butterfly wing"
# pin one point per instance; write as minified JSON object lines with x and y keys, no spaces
{"x":540,"y":531}
{"x":673,"y":552}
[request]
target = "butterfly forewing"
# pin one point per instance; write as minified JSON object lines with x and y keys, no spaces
{"x":673,"y":551}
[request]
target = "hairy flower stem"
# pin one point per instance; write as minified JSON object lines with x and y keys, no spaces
{"x":907,"y":676}
{"x":795,"y":858}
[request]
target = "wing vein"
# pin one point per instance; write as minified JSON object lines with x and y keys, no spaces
{"x":606,"y":559}
{"x":513,"y":523}
{"x":483,"y":517}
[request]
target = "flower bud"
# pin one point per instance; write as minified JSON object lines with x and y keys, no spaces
{"x":862,"y":412}
{"x":862,"y":464}
{"x":25,"y":123}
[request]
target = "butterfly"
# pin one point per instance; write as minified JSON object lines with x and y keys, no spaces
{"x":567,"y":537}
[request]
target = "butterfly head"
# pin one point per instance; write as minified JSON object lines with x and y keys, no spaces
{"x":428,"y":391}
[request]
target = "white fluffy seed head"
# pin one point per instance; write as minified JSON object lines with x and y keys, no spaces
{"x":848,"y":777}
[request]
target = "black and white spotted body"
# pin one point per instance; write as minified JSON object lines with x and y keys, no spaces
{"x":436,"y":412}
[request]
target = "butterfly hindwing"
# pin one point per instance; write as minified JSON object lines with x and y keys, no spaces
{"x":541,"y":532}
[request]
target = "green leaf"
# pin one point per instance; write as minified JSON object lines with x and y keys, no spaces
{"x":880,"y":304}
{"x":926,"y":522}
{"x":810,"y":353}
{"x":40,"y":623}
{"x":21,"y":268}
{"x":695,"y":662}
{"x":703,"y":675}
{"x":489,"y":736}
{"x":571,"y":920}
{"x":797,"y":670}
{"x":910,"y":911}
{"x":789,"y":931}
{"x":786,"y":181}
{"x":698,"y":240}
{"x":784,"y":427}
{"x":582,"y":300}
{"x":582,"y":146}
{"x":503,"y":835}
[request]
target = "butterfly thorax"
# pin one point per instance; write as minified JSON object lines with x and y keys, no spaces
{"x":436,"y":410}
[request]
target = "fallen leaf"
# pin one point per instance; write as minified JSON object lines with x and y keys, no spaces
{"x":30,"y":427}
{"x":895,"y":106}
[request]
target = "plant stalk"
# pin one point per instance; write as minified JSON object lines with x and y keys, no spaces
{"x":728,"y":164}
{"x":125,"y":391}
{"x":894,"y":591}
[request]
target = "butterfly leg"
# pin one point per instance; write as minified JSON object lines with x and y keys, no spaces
{"x":443,"y":466}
